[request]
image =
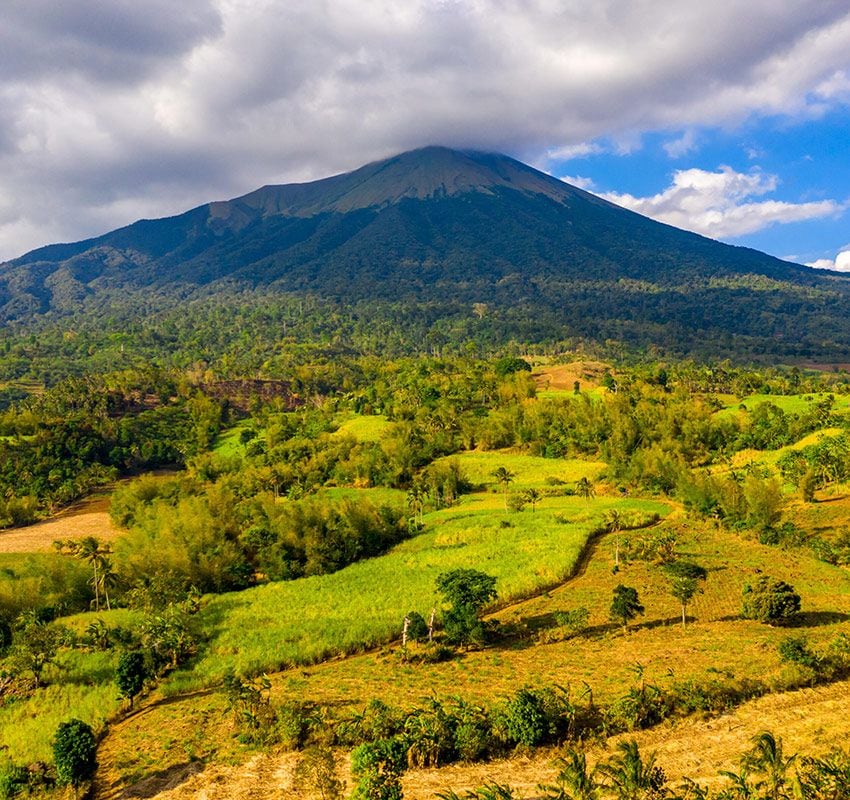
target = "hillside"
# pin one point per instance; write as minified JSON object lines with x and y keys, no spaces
{"x":451,"y":229}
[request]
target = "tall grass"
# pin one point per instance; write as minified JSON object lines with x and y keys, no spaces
{"x":81,"y":687}
{"x":311,"y":619}
{"x":479,"y":466}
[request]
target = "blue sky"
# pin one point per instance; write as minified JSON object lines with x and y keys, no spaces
{"x":807,"y":160}
{"x":729,"y":118}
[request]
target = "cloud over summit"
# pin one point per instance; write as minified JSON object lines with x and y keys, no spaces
{"x":112,"y":110}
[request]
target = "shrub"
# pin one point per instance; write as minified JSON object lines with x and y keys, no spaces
{"x":795,"y":650}
{"x":524,"y":719}
{"x":769,"y":601}
{"x":74,"y":751}
{"x":378,"y":767}
{"x":130,"y":674}
{"x":417,"y":628}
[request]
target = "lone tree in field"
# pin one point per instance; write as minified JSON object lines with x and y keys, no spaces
{"x":625,"y":605}
{"x":467,"y":591}
{"x":533,"y":497}
{"x":130,"y":675}
{"x":686,"y":579}
{"x":505,"y":477}
{"x":74,"y":751}
{"x":769,"y":601}
{"x":95,"y":553}
{"x":584,"y":488}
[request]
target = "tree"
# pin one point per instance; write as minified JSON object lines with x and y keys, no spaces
{"x":130,"y":674}
{"x":770,"y":601}
{"x":467,"y":591}
{"x":36,"y":647}
{"x":685,"y":581}
{"x":505,"y":477}
{"x":316,"y":775}
{"x":378,"y":767}
{"x":574,"y":781}
{"x":94,"y":552}
{"x":74,"y":752}
{"x":532,"y":496}
{"x":629,"y":776}
{"x":625,"y":605}
{"x":614,"y":522}
{"x":584,"y":488}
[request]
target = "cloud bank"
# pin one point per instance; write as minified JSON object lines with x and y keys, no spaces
{"x":718,"y":204}
{"x":112,"y":110}
{"x":841,"y":263}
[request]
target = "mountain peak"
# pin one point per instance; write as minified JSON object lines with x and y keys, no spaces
{"x":426,"y":173}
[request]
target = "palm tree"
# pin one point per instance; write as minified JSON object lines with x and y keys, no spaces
{"x":574,"y":781}
{"x":629,"y":776}
{"x":532,"y":496}
{"x":584,"y":488}
{"x":94,"y":552}
{"x":768,"y":759}
{"x":614,"y":522}
{"x":505,"y":477}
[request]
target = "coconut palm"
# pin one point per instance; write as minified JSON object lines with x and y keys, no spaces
{"x":505,"y":477}
{"x":767,"y":758}
{"x":92,"y":551}
{"x":584,"y":488}
{"x":629,"y":776}
{"x":533,"y":497}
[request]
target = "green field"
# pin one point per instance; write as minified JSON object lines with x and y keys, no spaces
{"x":307,"y":620}
{"x":791,"y":404}
{"x":479,"y":466}
{"x":364,"y":428}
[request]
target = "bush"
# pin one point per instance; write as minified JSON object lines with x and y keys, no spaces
{"x":417,"y":628}
{"x":795,"y":650}
{"x":524,"y":719}
{"x":378,"y":767}
{"x":74,"y":751}
{"x":769,"y":601}
{"x":130,"y":674}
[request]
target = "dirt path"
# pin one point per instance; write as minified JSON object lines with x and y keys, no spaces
{"x":89,"y":517}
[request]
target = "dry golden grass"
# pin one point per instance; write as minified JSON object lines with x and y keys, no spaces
{"x":87,"y":518}
{"x":163,"y":739}
{"x":809,"y":721}
{"x":562,"y":377}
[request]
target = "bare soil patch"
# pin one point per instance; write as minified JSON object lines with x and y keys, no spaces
{"x":90,"y":517}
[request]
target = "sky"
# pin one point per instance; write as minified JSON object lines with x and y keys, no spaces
{"x":729,"y":118}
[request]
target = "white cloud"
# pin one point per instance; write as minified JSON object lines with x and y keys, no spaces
{"x":685,"y":144}
{"x":841,"y":263}
{"x":569,"y":152}
{"x":111,"y":110}
{"x":579,"y":181}
{"x":719,"y":204}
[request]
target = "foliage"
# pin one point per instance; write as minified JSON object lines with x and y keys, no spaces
{"x":130,"y":674}
{"x":466,"y":591}
{"x":625,"y":605}
{"x":74,"y":752}
{"x":378,"y":767}
{"x":770,"y":601}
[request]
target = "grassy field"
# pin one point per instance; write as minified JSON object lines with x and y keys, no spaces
{"x":363,"y":428}
{"x":717,"y":646}
{"x":229,"y":443}
{"x":311,"y":619}
{"x":529,"y":471}
{"x":792,"y":403}
{"x":80,"y":685}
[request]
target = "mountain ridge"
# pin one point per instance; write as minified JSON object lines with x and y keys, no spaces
{"x":442,"y":226}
